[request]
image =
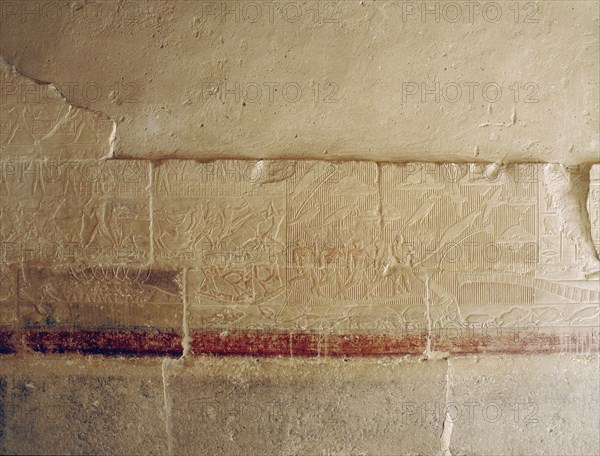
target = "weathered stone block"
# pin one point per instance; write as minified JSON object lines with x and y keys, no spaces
{"x":81,"y":406}
{"x":478,"y":258}
{"x":233,"y":406}
{"x":102,"y":309}
{"x":530,"y":405}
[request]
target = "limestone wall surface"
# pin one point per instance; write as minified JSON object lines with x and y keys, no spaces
{"x":299,"y":228}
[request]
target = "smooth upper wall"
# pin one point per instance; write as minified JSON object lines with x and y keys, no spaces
{"x":377,"y":80}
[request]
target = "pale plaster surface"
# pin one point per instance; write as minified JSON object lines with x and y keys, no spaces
{"x":507,"y":81}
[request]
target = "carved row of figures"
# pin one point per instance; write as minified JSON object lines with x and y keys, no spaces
{"x":96,"y":221}
{"x":326,"y":271}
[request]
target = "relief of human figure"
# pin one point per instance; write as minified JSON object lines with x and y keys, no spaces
{"x":242,"y":281}
{"x":233,"y":219}
{"x":267,"y":229}
{"x":268,"y":277}
{"x":176,"y":228}
{"x":214,"y":222}
{"x":400,"y":266}
{"x":330,"y":270}
{"x":93,"y":221}
{"x":53,"y":221}
{"x":211,"y":280}
{"x":7,"y":229}
{"x":115,"y":223}
{"x":303,"y":259}
{"x":358,"y":260}
{"x":26,"y":221}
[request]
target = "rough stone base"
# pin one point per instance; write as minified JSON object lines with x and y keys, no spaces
{"x":519,"y":405}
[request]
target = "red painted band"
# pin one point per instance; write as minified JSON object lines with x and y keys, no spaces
{"x":155,"y":343}
{"x":105,"y":342}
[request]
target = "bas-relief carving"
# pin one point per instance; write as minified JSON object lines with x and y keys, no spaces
{"x":37,"y":122}
{"x":8,"y":296}
{"x":271,"y":245}
{"x":361,"y":247}
{"x":60,"y":212}
{"x":113,"y":297}
{"x":60,"y":203}
{"x":594,"y":205}
{"x":74,"y":229}
{"x":297,"y":251}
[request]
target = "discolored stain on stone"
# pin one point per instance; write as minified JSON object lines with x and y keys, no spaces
{"x":307,"y":344}
{"x":101,"y":297}
{"x":9,"y":341}
{"x":108,"y":342}
{"x":518,"y":340}
{"x":82,"y":405}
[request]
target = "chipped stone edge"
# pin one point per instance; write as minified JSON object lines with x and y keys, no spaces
{"x":10,"y":67}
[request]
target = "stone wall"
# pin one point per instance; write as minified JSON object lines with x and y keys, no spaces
{"x":299,"y":228}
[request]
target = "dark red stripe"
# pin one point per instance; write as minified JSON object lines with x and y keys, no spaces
{"x":106,"y":342}
{"x":156,"y":343}
{"x":307,"y":344}
{"x":376,"y":344}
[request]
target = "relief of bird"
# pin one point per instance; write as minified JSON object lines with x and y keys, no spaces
{"x":422,"y":211}
{"x":304,"y":182}
{"x":492,"y":200}
{"x":339,"y":214}
{"x":307,"y":215}
{"x":582,"y":315}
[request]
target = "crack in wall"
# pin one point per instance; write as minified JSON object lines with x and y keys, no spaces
{"x":150,"y":190}
{"x":427,"y":299}
{"x":448,"y":424}
{"x":187,"y":339}
{"x":167,"y":406}
{"x":378,"y":181}
{"x":72,"y":105}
